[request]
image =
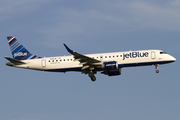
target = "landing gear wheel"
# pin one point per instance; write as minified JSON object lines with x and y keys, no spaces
{"x":156,"y":66}
{"x":93,"y":79}
{"x":157,"y":71}
{"x":91,"y":75}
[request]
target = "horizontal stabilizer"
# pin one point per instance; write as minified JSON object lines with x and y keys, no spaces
{"x":14,"y":61}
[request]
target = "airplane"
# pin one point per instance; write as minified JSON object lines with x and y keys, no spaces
{"x":107,"y":63}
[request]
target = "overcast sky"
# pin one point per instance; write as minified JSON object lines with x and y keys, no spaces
{"x":94,"y":26}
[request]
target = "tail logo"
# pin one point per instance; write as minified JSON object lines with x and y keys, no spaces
{"x":20,"y":54}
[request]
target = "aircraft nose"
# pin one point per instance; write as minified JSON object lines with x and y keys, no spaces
{"x":173,"y":59}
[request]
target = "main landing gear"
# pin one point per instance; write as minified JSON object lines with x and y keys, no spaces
{"x":91,"y":75}
{"x":156,"y":66}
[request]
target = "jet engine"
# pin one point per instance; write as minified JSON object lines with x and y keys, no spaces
{"x":110,"y":65}
{"x":112,"y":72}
{"x":111,"y":68}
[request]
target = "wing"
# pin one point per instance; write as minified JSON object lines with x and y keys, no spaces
{"x":84,"y":60}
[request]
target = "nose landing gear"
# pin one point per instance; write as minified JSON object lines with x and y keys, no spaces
{"x":156,"y":66}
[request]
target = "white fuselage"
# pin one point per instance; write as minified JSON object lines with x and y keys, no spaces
{"x":124,"y":59}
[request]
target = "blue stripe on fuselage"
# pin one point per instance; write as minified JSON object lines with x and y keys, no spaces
{"x":119,"y":65}
{"x":144,"y":64}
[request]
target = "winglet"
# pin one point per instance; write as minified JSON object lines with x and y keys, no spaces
{"x":69,"y":50}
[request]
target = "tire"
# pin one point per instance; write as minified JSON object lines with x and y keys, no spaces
{"x":93,"y":79}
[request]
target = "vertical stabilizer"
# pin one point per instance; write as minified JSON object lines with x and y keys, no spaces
{"x":19,"y":52}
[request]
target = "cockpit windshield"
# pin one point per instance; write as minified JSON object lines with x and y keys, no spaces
{"x":163,"y":52}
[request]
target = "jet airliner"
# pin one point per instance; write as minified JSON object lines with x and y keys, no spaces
{"x":107,"y":63}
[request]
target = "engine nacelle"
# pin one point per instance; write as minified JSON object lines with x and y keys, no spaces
{"x":112,"y":72}
{"x":110,"y":65}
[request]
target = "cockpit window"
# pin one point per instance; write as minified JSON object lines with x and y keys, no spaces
{"x":163,"y":53}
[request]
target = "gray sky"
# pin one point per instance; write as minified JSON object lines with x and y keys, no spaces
{"x":95,"y":26}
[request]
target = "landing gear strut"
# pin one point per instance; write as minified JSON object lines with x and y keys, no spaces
{"x":91,"y":75}
{"x":157,"y":65}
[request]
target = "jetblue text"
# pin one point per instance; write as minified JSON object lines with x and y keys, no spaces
{"x":135,"y":55}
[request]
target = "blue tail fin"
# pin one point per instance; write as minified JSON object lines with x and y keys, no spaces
{"x":19,"y":52}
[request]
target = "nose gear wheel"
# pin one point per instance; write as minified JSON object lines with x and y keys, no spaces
{"x":156,"y":66}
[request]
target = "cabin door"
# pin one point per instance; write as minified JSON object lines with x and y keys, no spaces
{"x":43,"y":63}
{"x":153,"y":55}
